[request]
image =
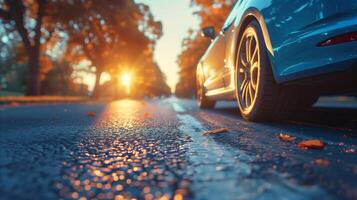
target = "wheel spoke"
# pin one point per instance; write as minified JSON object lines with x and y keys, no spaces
{"x":254,"y":86}
{"x":247,"y":95}
{"x":244,"y":63}
{"x":254,"y":74}
{"x":247,"y":48}
{"x":251,"y":92}
{"x":254,"y":66}
{"x":242,"y":98}
{"x":253,"y":70}
{"x":244,"y":92}
{"x":255,"y":53}
{"x":250,"y":47}
{"x":243,"y":84}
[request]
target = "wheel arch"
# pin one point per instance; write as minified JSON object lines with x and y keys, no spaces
{"x":253,"y":14}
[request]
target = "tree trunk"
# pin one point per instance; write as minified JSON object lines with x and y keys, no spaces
{"x":33,"y":75}
{"x":33,"y":51}
{"x":96,"y":92}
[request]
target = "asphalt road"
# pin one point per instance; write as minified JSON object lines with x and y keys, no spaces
{"x":155,"y":149}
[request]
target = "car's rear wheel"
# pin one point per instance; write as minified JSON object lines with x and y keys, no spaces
{"x":202,"y":100}
{"x":259,"y":97}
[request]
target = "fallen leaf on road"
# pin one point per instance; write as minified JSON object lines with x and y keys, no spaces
{"x":286,"y":138}
{"x":322,"y":162}
{"x":90,"y":114}
{"x":311,"y":144}
{"x":146,"y":115}
{"x":350,"y":150}
{"x":216,"y":131}
{"x":14,"y":104}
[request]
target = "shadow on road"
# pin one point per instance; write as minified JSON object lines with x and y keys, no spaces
{"x":336,"y":118}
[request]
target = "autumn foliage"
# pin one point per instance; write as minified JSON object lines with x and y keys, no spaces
{"x":56,"y":38}
{"x":211,"y":13}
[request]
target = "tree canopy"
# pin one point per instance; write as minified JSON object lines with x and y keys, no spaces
{"x":108,"y":35}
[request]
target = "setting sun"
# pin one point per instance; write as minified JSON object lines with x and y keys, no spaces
{"x":126,"y":79}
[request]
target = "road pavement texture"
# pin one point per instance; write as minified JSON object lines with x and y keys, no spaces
{"x":156,"y":149}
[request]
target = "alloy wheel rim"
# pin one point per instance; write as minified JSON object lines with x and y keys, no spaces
{"x":248,"y":69}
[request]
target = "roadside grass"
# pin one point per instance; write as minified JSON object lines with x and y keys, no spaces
{"x":8,"y":93}
{"x":41,"y":99}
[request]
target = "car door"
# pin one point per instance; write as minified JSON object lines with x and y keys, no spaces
{"x":230,"y":40}
{"x":215,"y":59}
{"x":213,"y":63}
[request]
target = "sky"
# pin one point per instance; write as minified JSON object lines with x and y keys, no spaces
{"x":177,"y":17}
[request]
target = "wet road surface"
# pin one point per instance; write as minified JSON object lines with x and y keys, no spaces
{"x":155,"y":149}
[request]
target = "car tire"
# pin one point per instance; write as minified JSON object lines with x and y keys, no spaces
{"x":259,"y":97}
{"x":202,"y":101}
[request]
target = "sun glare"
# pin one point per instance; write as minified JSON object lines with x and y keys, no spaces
{"x":126,"y":79}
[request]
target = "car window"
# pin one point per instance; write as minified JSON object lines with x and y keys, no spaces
{"x":231,"y":16}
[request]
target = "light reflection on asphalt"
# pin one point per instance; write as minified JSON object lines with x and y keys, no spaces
{"x":155,"y":149}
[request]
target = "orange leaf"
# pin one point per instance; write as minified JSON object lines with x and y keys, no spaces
{"x":350,"y":151}
{"x":90,"y":114}
{"x":216,"y":131}
{"x":322,"y":162}
{"x":312,"y":144}
{"x":146,"y":115}
{"x":286,"y":138}
{"x":14,"y":104}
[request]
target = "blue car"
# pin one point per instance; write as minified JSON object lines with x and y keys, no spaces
{"x":278,"y":56}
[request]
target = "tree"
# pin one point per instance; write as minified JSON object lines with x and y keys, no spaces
{"x":107,"y":34}
{"x":17,"y":14}
{"x":158,"y":85}
{"x":211,"y":13}
{"x":60,"y":81}
{"x":112,"y":33}
{"x":193,"y":48}
{"x":12,"y":73}
{"x":150,"y":81}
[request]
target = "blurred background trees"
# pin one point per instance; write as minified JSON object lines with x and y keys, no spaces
{"x":44,"y":43}
{"x":211,"y":13}
{"x":32,"y":22}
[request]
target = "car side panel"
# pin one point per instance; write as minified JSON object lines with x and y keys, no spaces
{"x":231,"y":45}
{"x":213,"y":64}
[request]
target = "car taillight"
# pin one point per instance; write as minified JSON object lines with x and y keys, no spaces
{"x":348,"y":37}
